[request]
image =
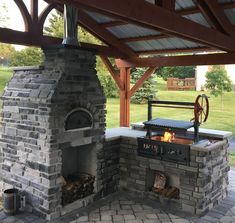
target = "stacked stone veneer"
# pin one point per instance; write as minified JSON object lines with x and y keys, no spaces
{"x":202,"y":184}
{"x":35,"y":104}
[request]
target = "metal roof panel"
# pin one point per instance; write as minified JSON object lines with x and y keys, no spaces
{"x":198,"y":18}
{"x":230,"y":13}
{"x":161,"y":44}
{"x":130,"y":30}
{"x":99,"y":18}
{"x":183,"y":4}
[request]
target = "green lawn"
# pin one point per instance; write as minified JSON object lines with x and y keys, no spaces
{"x":232,"y":159}
{"x":5,"y":75}
{"x":218,"y":118}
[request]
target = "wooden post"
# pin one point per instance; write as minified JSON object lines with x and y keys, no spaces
{"x":125,"y":97}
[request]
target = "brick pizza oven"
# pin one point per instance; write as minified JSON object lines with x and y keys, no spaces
{"x":53,"y":130}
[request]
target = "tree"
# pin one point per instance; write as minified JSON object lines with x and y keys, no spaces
{"x":30,"y":56}
{"x":4,"y":19}
{"x":218,"y":82}
{"x":7,"y":51}
{"x":56,"y":25}
{"x":56,"y":28}
{"x":147,"y":91}
{"x":180,"y":72}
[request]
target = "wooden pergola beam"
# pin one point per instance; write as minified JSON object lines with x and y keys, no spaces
{"x":169,"y":61}
{"x":183,"y":12}
{"x":210,"y":18}
{"x":220,"y":16}
{"x":193,"y":10}
{"x":125,"y":76}
{"x":174,"y":24}
{"x":113,"y":73}
{"x":43,"y":16}
{"x":29,"y":39}
{"x":169,"y":5}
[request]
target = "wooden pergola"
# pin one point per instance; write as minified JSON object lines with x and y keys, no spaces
{"x":141,"y":33}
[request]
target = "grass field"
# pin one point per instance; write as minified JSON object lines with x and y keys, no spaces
{"x":218,"y":118}
{"x":232,"y":159}
{"x":5,"y":75}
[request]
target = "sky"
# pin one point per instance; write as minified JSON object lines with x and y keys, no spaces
{"x":16,"y":21}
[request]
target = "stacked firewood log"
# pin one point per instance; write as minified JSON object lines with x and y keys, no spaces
{"x":160,"y":187}
{"x":77,"y":186}
{"x":169,"y":192}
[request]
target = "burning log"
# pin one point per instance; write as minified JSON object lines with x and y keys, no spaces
{"x":77,"y":186}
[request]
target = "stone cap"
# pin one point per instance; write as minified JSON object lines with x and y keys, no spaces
{"x":40,"y":67}
{"x":207,"y":146}
{"x":116,"y":133}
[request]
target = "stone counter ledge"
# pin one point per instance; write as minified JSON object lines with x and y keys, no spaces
{"x":202,"y":146}
{"x":206,"y":146}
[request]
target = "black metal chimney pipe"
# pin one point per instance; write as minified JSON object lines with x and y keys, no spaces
{"x":70,"y":26}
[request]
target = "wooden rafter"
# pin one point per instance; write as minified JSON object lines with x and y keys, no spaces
{"x":113,"y":73}
{"x":182,"y":12}
{"x":193,"y":10}
{"x":43,"y":16}
{"x":220,"y":16}
{"x":34,"y":11}
{"x":169,"y":5}
{"x":174,"y":24}
{"x":17,"y":37}
{"x":204,"y":59}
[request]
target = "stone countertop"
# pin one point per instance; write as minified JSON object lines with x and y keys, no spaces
{"x":116,"y":133}
{"x":203,"y":145}
{"x":130,"y":132}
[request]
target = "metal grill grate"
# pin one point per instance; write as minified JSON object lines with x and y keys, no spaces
{"x":168,"y":123}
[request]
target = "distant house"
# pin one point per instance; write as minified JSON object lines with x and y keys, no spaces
{"x":201,"y":75}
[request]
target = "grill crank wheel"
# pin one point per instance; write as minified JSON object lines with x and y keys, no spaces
{"x":201,"y":109}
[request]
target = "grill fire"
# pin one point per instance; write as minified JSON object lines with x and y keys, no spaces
{"x":168,"y":137}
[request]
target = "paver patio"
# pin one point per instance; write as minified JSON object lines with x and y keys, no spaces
{"x":126,"y":207}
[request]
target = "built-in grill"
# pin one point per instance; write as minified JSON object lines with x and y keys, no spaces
{"x":168,"y":139}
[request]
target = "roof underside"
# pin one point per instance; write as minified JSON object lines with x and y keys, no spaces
{"x":143,"y":40}
{"x":133,"y":28}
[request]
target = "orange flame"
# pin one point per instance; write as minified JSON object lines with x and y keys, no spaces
{"x":168,"y":137}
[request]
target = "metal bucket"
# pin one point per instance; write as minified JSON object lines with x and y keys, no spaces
{"x":10,"y":201}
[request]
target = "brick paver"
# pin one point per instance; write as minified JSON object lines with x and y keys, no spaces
{"x":123,"y":207}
